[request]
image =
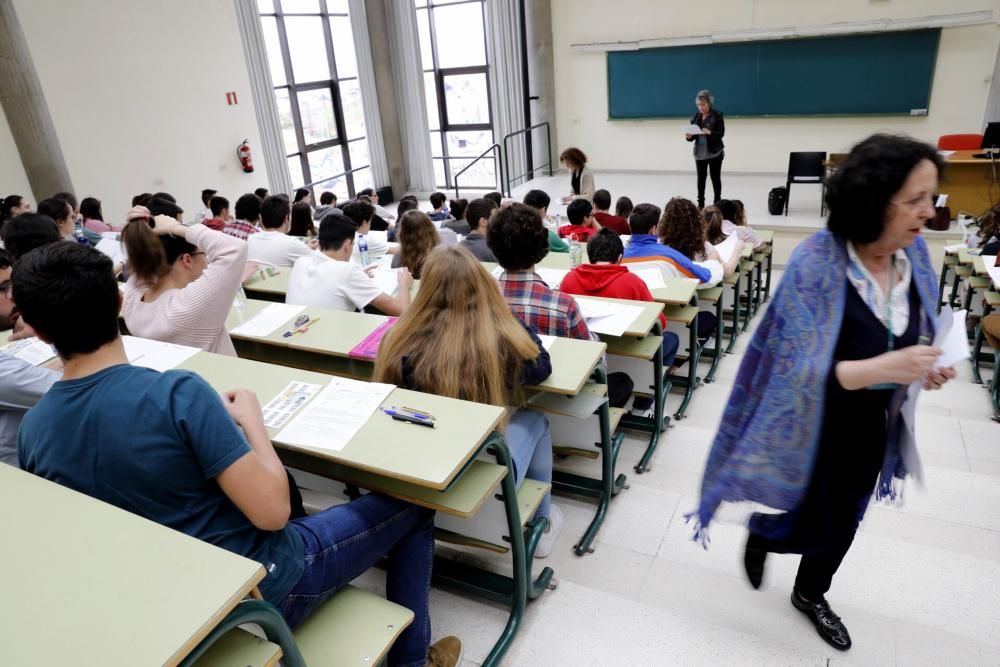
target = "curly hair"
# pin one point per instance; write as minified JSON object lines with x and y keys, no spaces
{"x":989,"y":226}
{"x":574,"y":157}
{"x":681,"y":227}
{"x":859,"y":192}
{"x":517,"y":237}
{"x":417,"y":237}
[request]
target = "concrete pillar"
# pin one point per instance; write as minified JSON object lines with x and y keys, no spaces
{"x":378,"y":31}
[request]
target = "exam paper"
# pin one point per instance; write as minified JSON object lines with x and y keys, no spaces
{"x":331,"y":419}
{"x":652,"y":277}
{"x":155,"y":354}
{"x":497,"y":272}
{"x":113,"y":249}
{"x":386,"y":279}
{"x":280,"y":408}
{"x":692,"y":129}
{"x":547,"y":341}
{"x":954,"y":248}
{"x":950,"y":335}
{"x":994,"y":272}
{"x":728,"y":247}
{"x":552,"y":277}
{"x":612,"y":319}
{"x":31,"y":350}
{"x":269,"y":320}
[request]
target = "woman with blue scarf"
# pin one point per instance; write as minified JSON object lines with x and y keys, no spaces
{"x":815,"y":416}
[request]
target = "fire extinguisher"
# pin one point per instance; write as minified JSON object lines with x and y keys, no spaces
{"x":243,"y":153}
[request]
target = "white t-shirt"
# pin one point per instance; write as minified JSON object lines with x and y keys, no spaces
{"x":378,"y":245}
{"x":275,"y":248}
{"x":318,"y":280}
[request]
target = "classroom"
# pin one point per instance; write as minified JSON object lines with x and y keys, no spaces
{"x":481,"y":333}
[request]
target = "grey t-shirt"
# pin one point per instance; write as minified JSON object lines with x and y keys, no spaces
{"x":21,"y":387}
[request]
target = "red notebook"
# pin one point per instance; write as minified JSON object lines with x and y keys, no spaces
{"x":368,"y":348}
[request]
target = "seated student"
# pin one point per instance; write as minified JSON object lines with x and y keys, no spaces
{"x":734,"y":221}
{"x":327,"y":202}
{"x":378,"y":223}
{"x":21,"y":384}
{"x":205,"y":213}
{"x":440,"y":212}
{"x":681,"y":227}
{"x":198,"y":464}
{"x":301,"y":194}
{"x":494,"y":196}
{"x":380,"y":211}
{"x":273,"y":246}
{"x":644,"y":246}
{"x":261,"y":193}
{"x":458,"y":223}
{"x":602,"y":204}
{"x":93,"y":217}
{"x":28,"y":231}
{"x":406,"y":203}
{"x":540,"y":200}
{"x":220,"y":213}
{"x":623,"y":209}
{"x":606,"y":277}
{"x":477,"y":216}
{"x":329,"y":279}
{"x":712,"y":221}
{"x":987,"y":238}
{"x":247,"y":217}
{"x":361,"y":214}
{"x":459,"y":328}
{"x":582,"y":224}
{"x":417,"y":238}
{"x":302,"y":225}
{"x":182,"y":280}
{"x":93,"y":238}
{"x":62,"y":214}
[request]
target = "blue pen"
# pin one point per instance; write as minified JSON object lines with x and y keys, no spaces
{"x":407,"y":418}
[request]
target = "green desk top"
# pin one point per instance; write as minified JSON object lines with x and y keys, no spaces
{"x":979,"y":264}
{"x":643,"y":322}
{"x":677,"y":291}
{"x":85,"y":582}
{"x":965,"y":257}
{"x":765,"y":235}
{"x":277,"y":284}
{"x":427,"y":457}
{"x":951,"y":242}
{"x":572,"y":363}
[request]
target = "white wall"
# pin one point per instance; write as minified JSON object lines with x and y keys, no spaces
{"x":137,"y":93}
{"x":13,"y":180}
{"x":961,"y":84}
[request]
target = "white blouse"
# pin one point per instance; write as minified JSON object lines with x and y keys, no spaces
{"x":897,"y":303}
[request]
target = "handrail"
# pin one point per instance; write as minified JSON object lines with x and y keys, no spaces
{"x":497,"y":158}
{"x":330,"y":178}
{"x":531,"y":167}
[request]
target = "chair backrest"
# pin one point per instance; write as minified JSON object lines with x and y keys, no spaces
{"x":806,"y":166}
{"x":960,"y":142}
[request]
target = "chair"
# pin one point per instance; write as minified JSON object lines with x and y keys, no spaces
{"x":960,"y":142}
{"x":804,"y":167}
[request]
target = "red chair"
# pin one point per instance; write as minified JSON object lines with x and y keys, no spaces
{"x":960,"y":142}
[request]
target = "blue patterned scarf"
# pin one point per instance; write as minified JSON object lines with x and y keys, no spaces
{"x":769,"y":435}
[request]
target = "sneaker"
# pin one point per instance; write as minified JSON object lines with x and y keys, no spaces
{"x":445,"y":653}
{"x":828,"y":624}
{"x":551,"y":534}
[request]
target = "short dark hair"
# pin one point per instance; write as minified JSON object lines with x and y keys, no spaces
{"x":517,"y":237}
{"x":623,"y":207}
{"x":644,"y":218}
{"x":161,"y":206}
{"x":602,"y":200}
{"x":68,"y":293}
{"x":478,"y":209}
{"x":577,"y":210}
{"x":67,"y":197}
{"x":248,"y":207}
{"x":334,"y":231}
{"x":727,"y":207}
{"x":261,"y":192}
{"x":458,"y":207}
{"x":604,"y":246}
{"x":206,"y":195}
{"x":366,"y":192}
{"x":327,"y":198}
{"x":406,"y":204}
{"x":359,"y":211}
{"x":537,"y":199}
{"x":859,"y":192}
{"x":142,"y":199}
{"x":438,"y":199}
{"x":170,"y":197}
{"x":494,"y":197}
{"x":90,"y":209}
{"x":300,"y":194}
{"x":218,"y":205}
{"x":57,"y":209}
{"x":25,"y":232}
{"x":273,"y":212}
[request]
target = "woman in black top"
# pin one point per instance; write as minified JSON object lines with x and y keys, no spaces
{"x":708,"y":147}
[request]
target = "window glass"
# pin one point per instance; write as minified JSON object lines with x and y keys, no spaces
{"x":295,"y":171}
{"x":265,"y":6}
{"x":326,"y":163}
{"x":300,"y":6}
{"x":286,"y":121}
{"x":343,"y":47}
{"x":274,"y":58}
{"x":363,"y":179}
{"x":316,"y":110}
{"x":307,"y":48}
{"x":460,"y":35}
{"x":424,"y":32}
{"x":354,"y":114}
{"x":430,"y":95}
{"x":467,"y":99}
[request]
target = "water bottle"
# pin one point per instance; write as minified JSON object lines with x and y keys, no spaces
{"x":558,"y":221}
{"x":78,"y":234}
{"x":240,"y":299}
{"x":575,"y":252}
{"x":363,"y":249}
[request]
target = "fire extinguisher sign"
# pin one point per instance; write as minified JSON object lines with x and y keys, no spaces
{"x":231,"y":98}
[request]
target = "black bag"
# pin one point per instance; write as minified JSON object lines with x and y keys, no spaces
{"x":620,"y":388}
{"x":776,"y":200}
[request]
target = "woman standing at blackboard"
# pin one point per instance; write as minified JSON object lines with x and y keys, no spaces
{"x":708,"y":146}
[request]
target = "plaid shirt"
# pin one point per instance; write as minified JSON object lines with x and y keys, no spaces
{"x":547,"y":312}
{"x":241,"y":229}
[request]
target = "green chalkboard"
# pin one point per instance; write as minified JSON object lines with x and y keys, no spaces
{"x":884,"y":73}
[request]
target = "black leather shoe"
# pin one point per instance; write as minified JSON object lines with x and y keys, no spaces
{"x":828,"y":624}
{"x":753,"y":562}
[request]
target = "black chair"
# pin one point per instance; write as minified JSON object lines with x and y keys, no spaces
{"x":805,"y":167}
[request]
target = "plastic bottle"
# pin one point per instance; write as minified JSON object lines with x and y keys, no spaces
{"x":558,"y":221}
{"x":78,"y":234}
{"x":363,"y":249}
{"x":575,"y":251}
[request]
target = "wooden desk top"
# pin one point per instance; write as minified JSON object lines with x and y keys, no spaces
{"x":84,"y":581}
{"x":965,"y":157}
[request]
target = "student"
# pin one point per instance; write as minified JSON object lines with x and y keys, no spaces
{"x":602,"y":203}
{"x":440,"y":212}
{"x":623,"y":209}
{"x":62,"y":213}
{"x":261,"y":193}
{"x":93,"y":217}
{"x":682,"y":229}
{"x":327,"y":202}
{"x":581,"y":178}
{"x":417,"y":238}
{"x":206,"y":212}
{"x":273,"y":246}
{"x":458,"y":223}
{"x":378,"y":223}
{"x":220,"y":213}
{"x":540,"y":200}
{"x":643,"y":246}
{"x":495,"y":197}
{"x":247,"y":217}
{"x":477,"y":216}
{"x":712,"y":219}
{"x":361,"y":213}
{"x":28,"y":231}
{"x":582,"y":224}
{"x":302,"y":225}
{"x":182,"y":281}
{"x":459,"y":339}
{"x":734,"y":221}
{"x":329,"y":279}
{"x":21,"y":384}
{"x":303,"y":195}
{"x":406,"y":203}
{"x":13,"y":205}
{"x":380,"y":211}
{"x":142,"y":199}
{"x":198,"y":464}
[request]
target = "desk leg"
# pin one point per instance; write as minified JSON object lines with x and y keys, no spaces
{"x":692,"y":379}
{"x":749,"y":309}
{"x":736,"y":314}
{"x":758,"y":288}
{"x":262,"y":614}
{"x":977,"y":346}
{"x":941,"y":283}
{"x":954,"y":290}
{"x":767,"y":285}
{"x":661,"y":386}
{"x":717,"y":352}
{"x":995,"y":386}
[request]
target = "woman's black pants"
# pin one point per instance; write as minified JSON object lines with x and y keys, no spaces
{"x":704,"y":167}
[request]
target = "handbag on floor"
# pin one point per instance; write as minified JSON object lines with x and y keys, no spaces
{"x":776,"y":200}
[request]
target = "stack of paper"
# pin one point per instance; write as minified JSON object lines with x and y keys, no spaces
{"x":951,"y":336}
{"x":552,"y":277}
{"x":692,"y":129}
{"x":335,"y":415}
{"x":31,"y":350}
{"x":269,"y":320}
{"x":607,"y":317}
{"x":155,"y":354}
{"x":653,"y":277}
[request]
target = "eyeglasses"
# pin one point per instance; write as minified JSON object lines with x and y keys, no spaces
{"x":199,"y":252}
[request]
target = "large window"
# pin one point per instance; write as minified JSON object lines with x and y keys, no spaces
{"x":453,"y":54}
{"x":310,"y":49}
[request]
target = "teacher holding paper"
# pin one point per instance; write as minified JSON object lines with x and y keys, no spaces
{"x":706,"y":131}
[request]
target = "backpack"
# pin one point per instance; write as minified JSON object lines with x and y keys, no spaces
{"x":776,"y":200}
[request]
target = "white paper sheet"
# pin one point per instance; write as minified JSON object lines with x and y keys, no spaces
{"x":946,"y":154}
{"x":156,"y":355}
{"x":591,"y":308}
{"x":281,"y":408}
{"x":31,"y":350}
{"x":331,"y":419}
{"x":497,"y":272}
{"x":692,"y":129}
{"x":547,"y":341}
{"x":113,"y":249}
{"x":269,"y":320}
{"x":386,"y":279}
{"x":652,"y":277}
{"x":994,"y":274}
{"x":954,"y":248}
{"x":612,"y":319}
{"x":950,"y":335}
{"x":552,"y":277}
{"x":728,"y":247}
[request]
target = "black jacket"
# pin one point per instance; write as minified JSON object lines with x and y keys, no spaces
{"x":714,"y":122}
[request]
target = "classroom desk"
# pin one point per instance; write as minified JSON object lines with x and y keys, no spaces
{"x":268,"y":288}
{"x":84,"y":582}
{"x":676,"y":291}
{"x":969,"y":182}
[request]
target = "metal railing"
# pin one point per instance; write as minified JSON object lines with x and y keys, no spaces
{"x":531,"y":167}
{"x":497,"y":161}
{"x":330,"y":178}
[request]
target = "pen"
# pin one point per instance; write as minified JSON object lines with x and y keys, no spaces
{"x":302,"y":329}
{"x":419,"y":414}
{"x":407,"y":418}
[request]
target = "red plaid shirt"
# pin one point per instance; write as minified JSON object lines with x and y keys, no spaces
{"x":241,"y":229}
{"x":548,"y":313}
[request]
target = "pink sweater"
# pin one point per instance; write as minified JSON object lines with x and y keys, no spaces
{"x":195,"y":315}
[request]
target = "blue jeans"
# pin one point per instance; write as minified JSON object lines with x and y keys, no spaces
{"x":530,"y":444}
{"x":669,"y":348}
{"x":344,"y":541}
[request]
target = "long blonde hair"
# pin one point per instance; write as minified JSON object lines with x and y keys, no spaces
{"x":417,"y":237}
{"x":459,"y":335}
